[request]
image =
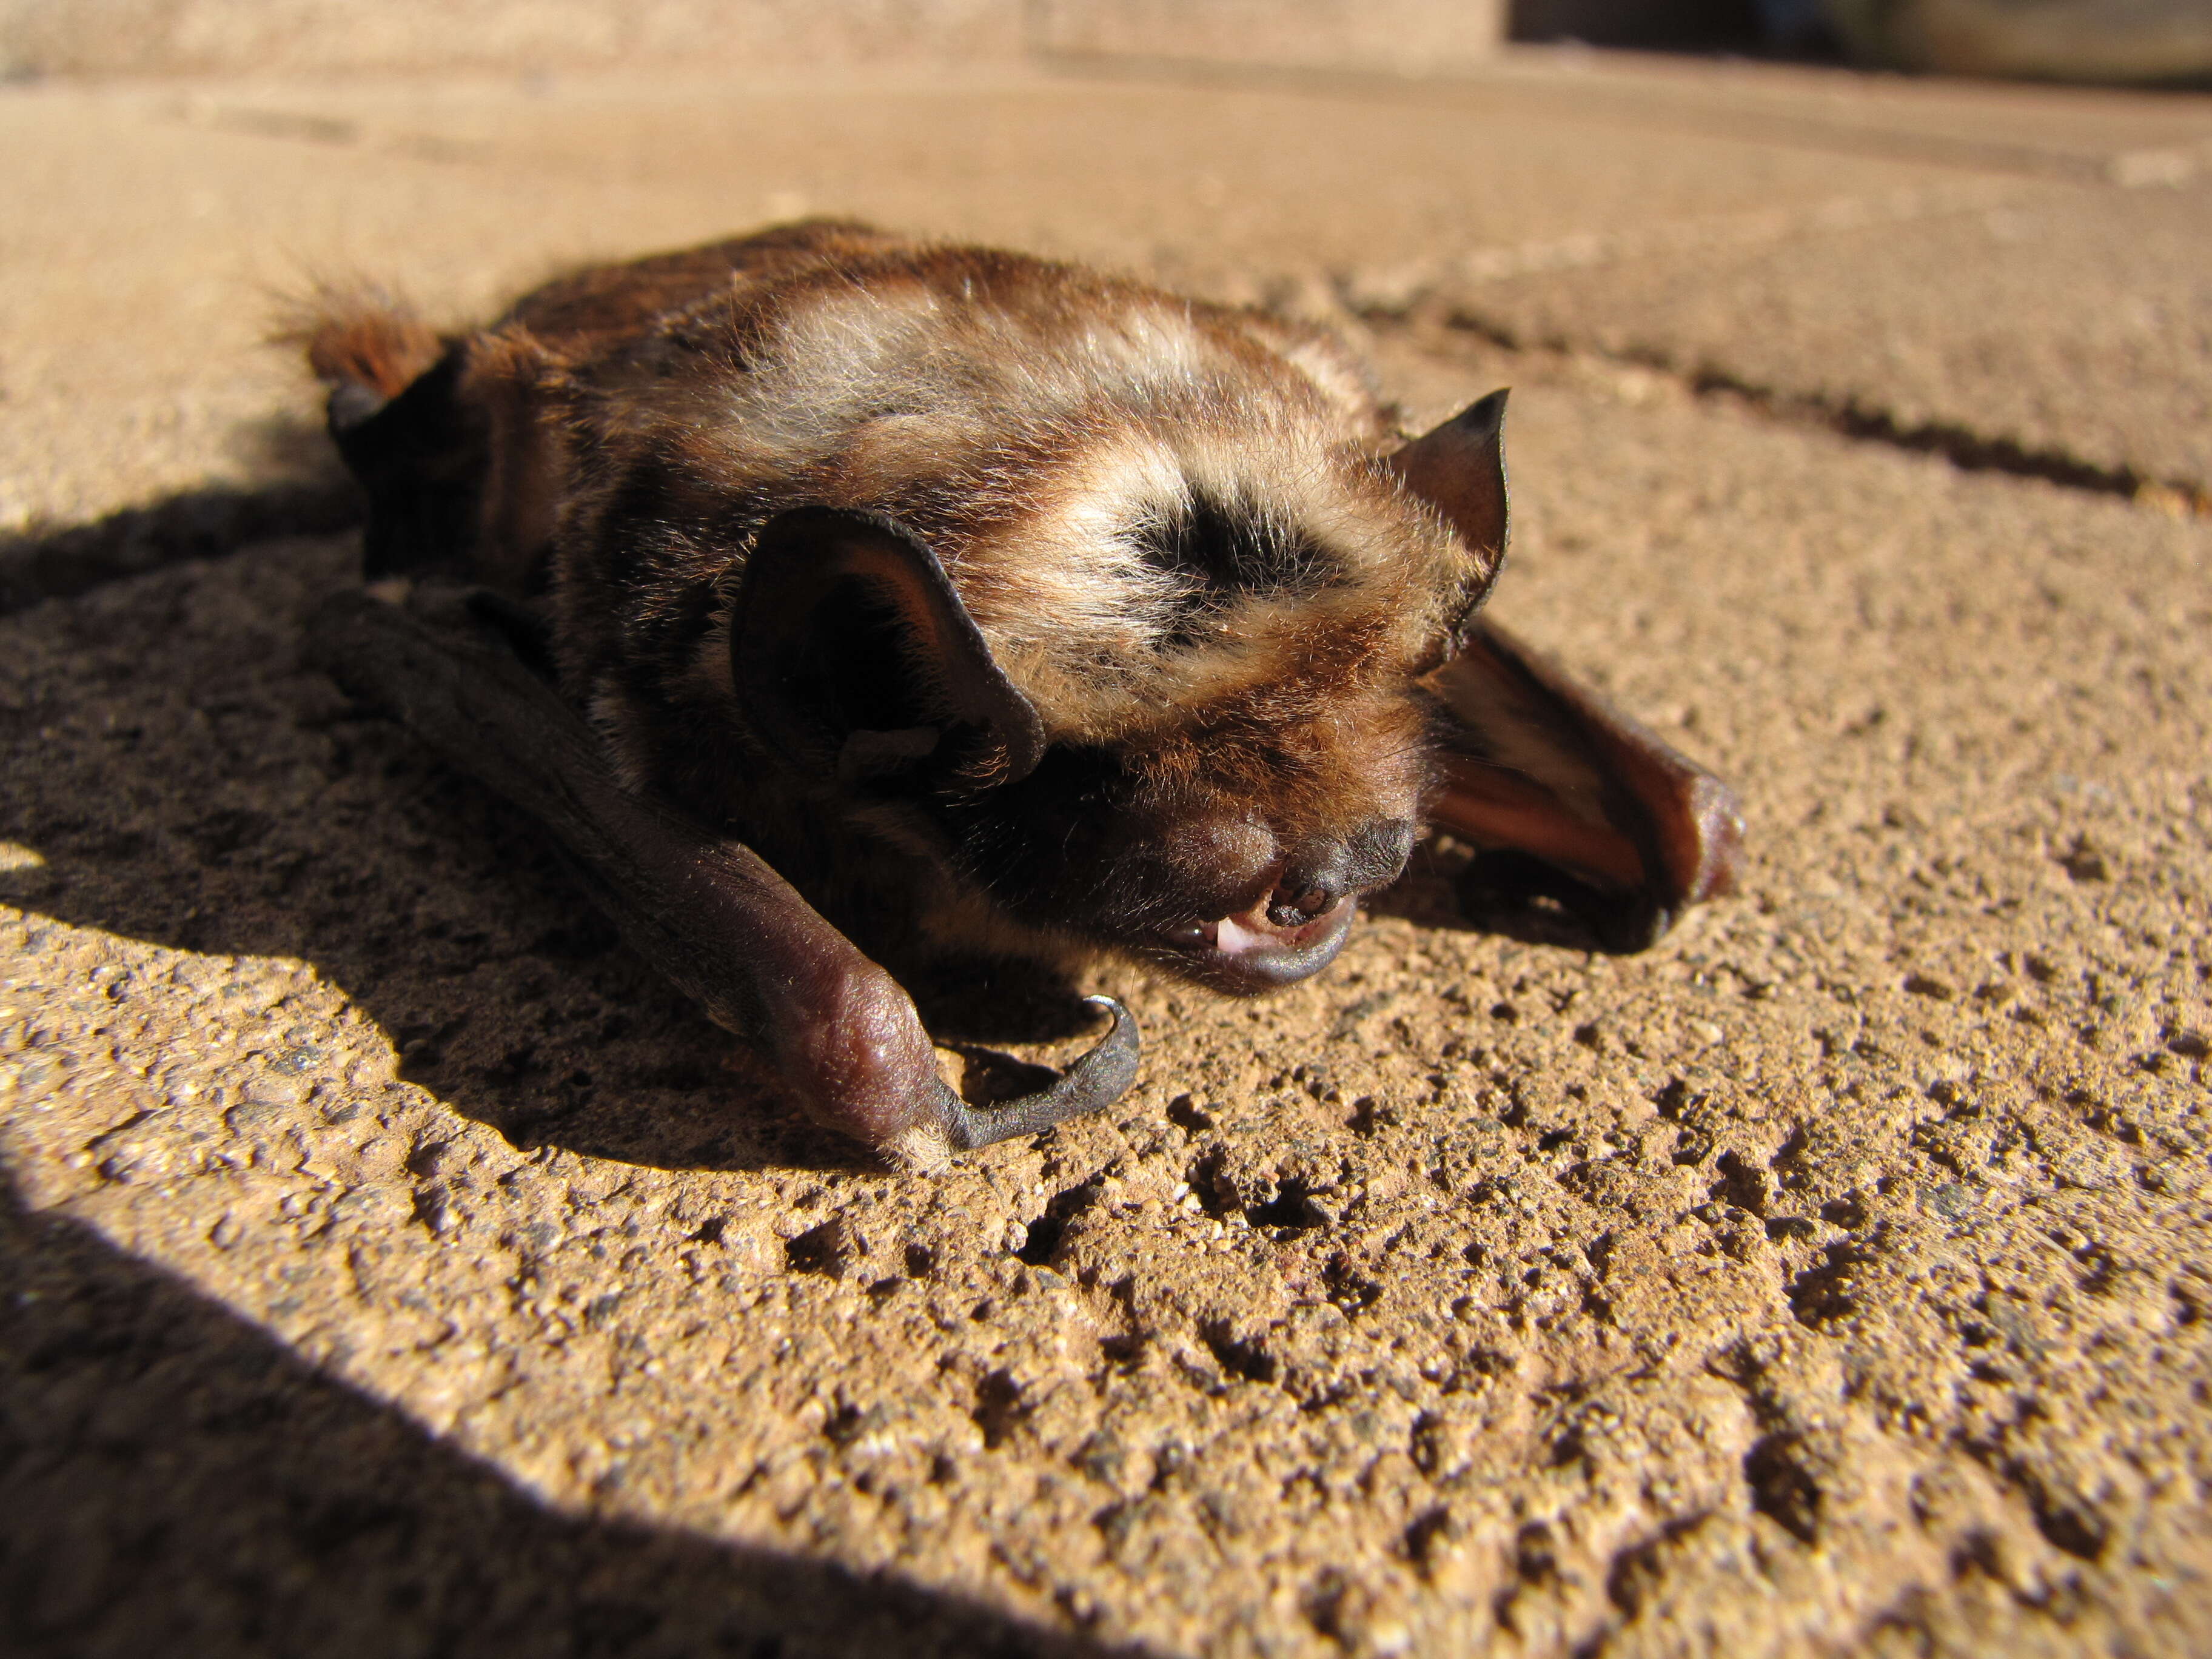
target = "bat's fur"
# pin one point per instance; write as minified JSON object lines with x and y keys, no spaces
{"x":1173,"y":523}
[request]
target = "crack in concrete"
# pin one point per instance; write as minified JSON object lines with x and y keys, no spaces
{"x":1968,"y":450}
{"x":1965,"y":448}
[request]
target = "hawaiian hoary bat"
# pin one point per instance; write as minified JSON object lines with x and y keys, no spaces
{"x":832,"y":593}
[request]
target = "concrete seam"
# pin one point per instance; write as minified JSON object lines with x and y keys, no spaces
{"x":1851,"y":417}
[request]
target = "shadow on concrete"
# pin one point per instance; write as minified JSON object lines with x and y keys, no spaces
{"x":300,"y":491}
{"x":503,"y":992}
{"x":1691,"y":25}
{"x":46,"y":563}
{"x":192,"y":783}
{"x":1440,"y":890}
{"x":173,"y":1481}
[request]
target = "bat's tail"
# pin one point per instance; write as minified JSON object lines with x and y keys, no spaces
{"x":398,"y":423}
{"x":365,"y":347}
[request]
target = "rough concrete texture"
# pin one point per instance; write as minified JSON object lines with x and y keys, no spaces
{"x":396,"y":1268}
{"x":2121,"y":381}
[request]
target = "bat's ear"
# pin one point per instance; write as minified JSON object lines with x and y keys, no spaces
{"x":856,"y":661}
{"x":1459,"y":468}
{"x":1562,"y":794}
{"x":1565,"y":797}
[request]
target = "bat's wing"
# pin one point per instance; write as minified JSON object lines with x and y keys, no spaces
{"x":1566,"y":797}
{"x":1562,"y":795}
{"x":708,"y":913}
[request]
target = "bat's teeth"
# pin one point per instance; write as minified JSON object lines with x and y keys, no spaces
{"x":1253,"y":934}
{"x":1233,"y":937}
{"x":1256,"y":930}
{"x":1247,"y":952}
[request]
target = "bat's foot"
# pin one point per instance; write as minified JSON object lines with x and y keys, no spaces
{"x":709,"y":913}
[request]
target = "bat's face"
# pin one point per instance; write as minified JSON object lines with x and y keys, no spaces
{"x":1206,"y":772}
{"x":1233,"y":853}
{"x":1159,"y":695}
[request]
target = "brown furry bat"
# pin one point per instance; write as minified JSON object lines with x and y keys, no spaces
{"x":1001,"y":607}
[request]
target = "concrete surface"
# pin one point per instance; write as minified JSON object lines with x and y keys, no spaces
{"x":395,"y":1268}
{"x":1944,"y":324}
{"x":173,"y":37}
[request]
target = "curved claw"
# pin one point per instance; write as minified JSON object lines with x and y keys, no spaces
{"x":1098,"y":1078}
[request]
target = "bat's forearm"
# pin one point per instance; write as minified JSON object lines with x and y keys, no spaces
{"x":709,"y":913}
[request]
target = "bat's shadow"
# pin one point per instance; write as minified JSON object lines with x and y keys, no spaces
{"x":1444,"y":887}
{"x":175,"y":774}
{"x":190,"y":781}
{"x":453,"y":926}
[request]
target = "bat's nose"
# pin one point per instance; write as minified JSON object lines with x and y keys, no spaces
{"x":1322,"y":872}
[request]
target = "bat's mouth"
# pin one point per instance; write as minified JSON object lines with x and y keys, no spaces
{"x":1249,"y":952}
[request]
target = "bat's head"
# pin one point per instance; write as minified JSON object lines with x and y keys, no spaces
{"x":1171,"y":706}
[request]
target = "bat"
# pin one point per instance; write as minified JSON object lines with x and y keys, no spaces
{"x":835,"y":600}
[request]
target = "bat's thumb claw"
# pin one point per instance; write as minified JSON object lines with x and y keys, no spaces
{"x":1110,"y":1067}
{"x":1099,"y":1078}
